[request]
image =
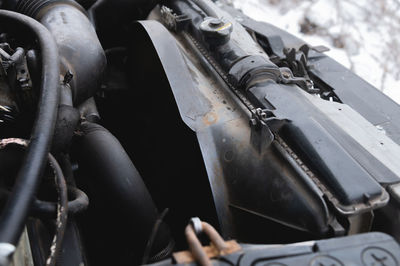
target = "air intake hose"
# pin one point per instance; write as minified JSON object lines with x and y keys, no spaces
{"x":80,"y":50}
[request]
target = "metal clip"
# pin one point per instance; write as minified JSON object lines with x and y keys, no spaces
{"x":173,"y":21}
{"x":304,"y":83}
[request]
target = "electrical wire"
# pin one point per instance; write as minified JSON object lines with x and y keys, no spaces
{"x":62,"y":211}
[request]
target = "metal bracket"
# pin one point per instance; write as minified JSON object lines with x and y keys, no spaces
{"x":266,"y":117}
{"x":306,"y":84}
{"x":173,"y":21}
{"x":263,"y":123}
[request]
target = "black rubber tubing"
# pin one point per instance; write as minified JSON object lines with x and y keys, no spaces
{"x":40,"y":208}
{"x":112,"y":167}
{"x":15,"y":213}
{"x":78,"y":204}
{"x":115,"y":173}
{"x":206,"y":8}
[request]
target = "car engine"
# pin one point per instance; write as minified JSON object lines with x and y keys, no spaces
{"x":175,"y":132}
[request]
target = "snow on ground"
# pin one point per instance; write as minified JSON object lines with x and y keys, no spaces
{"x":363,"y":35}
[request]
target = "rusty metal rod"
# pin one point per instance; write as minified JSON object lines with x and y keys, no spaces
{"x":197,"y":249}
{"x":214,"y":236}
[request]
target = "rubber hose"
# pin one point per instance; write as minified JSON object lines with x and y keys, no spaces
{"x":114,"y":174}
{"x":206,"y":8}
{"x":16,"y":211}
{"x":78,"y":204}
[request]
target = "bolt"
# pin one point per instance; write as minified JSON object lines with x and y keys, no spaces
{"x":263,"y":115}
{"x":286,"y":75}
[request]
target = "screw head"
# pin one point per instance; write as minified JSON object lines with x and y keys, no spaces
{"x":286,"y":75}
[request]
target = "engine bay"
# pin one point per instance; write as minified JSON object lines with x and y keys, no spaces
{"x":184,"y":132}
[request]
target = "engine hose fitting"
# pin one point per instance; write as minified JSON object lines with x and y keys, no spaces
{"x":80,"y":50}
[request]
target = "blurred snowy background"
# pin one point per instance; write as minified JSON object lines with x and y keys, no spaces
{"x":363,"y":35}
